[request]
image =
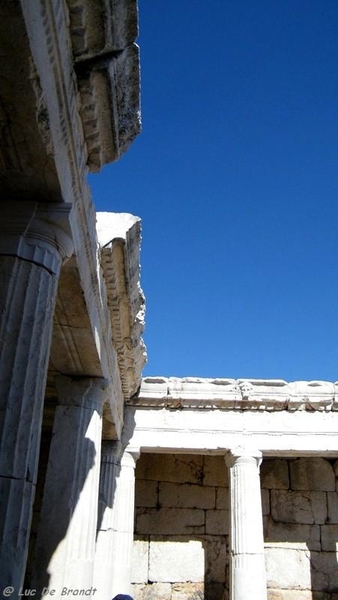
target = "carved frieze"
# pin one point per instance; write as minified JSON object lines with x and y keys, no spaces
{"x":239,"y":395}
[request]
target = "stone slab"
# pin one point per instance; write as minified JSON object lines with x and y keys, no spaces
{"x":215,"y":471}
{"x":222,"y":498}
{"x":176,"y":561}
{"x":217,"y":522}
{"x":330,"y":538}
{"x":332,"y":507}
{"x":146,"y":493}
{"x":312,"y":474}
{"x":140,"y":562}
{"x":179,"y":468}
{"x":288,"y":570}
{"x":291,"y":535}
{"x":298,"y":507}
{"x":186,"y":495}
{"x":275,"y":474}
{"x":324,"y":571}
{"x":169,"y":521}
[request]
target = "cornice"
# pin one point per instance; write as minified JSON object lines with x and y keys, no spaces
{"x":237,"y":394}
{"x":125,"y":299}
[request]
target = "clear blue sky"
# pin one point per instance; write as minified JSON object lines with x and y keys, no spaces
{"x":235,"y":177}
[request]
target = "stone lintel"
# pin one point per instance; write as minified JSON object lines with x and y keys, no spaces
{"x":119,"y":238}
{"x":237,"y":394}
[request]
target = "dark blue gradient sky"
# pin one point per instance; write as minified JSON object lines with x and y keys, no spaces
{"x":235,"y":177}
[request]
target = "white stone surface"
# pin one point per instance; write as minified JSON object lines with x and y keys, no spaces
{"x":140,"y":562}
{"x":289,"y":569}
{"x":176,"y":561}
{"x":110,"y":225}
{"x":65,"y":546}
{"x":246,"y":526}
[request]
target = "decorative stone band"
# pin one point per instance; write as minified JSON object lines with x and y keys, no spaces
{"x":38,"y":233}
{"x":241,"y":394}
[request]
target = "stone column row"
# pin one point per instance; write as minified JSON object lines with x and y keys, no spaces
{"x":33,"y":243}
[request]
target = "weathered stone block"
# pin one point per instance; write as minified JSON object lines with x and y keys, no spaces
{"x":215,"y":471}
{"x":217,"y":522}
{"x":140,"y":560}
{"x":292,"y":535}
{"x":324,"y":571}
{"x":312,"y":474}
{"x":330,"y":538}
{"x":187,"y":591}
{"x":275,"y":474}
{"x":146,"y":493}
{"x":332,"y":507}
{"x":171,"y":561}
{"x":288,"y":570}
{"x":265,"y":502}
{"x":186,"y":495}
{"x":298,"y":507}
{"x":179,"y":468}
{"x":169,"y":521}
{"x":215,"y":549}
{"x":153,"y":591}
{"x":290,"y":595}
{"x":222,"y":498}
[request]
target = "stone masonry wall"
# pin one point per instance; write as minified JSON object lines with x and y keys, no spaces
{"x":182,"y":528}
{"x":300,"y":507}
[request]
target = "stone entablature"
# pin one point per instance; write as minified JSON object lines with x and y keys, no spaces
{"x":119,"y":237}
{"x":237,"y":394}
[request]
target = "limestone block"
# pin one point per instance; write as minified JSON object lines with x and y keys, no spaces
{"x":215,"y":549}
{"x":291,"y":595}
{"x":291,"y":535}
{"x":169,"y":521}
{"x":171,"y":561}
{"x":298,"y":507}
{"x":186,"y":495}
{"x":332,"y":507}
{"x":139,"y":562}
{"x":324,"y":571}
{"x":215,"y":471}
{"x":179,"y":468}
{"x":311,"y":395}
{"x":265,"y":502}
{"x":288,"y":569}
{"x":312,"y":474}
{"x":275,"y":474}
{"x":154,"y":591}
{"x":329,"y":538}
{"x":222,"y":498}
{"x":187,"y":591}
{"x":217,"y":522}
{"x":145,"y":493}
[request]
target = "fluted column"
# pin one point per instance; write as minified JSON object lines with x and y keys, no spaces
{"x":65,"y":546}
{"x":33,"y":243}
{"x":116,"y":522}
{"x":248,"y":579}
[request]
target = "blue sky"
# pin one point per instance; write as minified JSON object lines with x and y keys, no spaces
{"x":235,"y":177}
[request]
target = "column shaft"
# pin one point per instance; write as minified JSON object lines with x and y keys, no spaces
{"x":115,"y":538}
{"x":248,"y":577}
{"x":65,"y":546}
{"x":30,"y":261}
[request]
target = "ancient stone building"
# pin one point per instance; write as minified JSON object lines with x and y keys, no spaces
{"x":175,"y":489}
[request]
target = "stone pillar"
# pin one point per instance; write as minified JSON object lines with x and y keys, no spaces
{"x":247,"y":577}
{"x":33,"y":243}
{"x":116,"y":522}
{"x":65,"y":546}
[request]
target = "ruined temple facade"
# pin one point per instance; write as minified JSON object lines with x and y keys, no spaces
{"x":175,"y":489}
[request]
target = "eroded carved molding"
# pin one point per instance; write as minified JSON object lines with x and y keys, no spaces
{"x":237,"y":394}
{"x":119,"y":238}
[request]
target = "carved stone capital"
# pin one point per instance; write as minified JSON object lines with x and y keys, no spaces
{"x":84,"y":392}
{"x":38,"y":233}
{"x":241,"y":456}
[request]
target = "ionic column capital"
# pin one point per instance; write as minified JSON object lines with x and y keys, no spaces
{"x":38,"y":233}
{"x":243,"y":455}
{"x":83,"y":392}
